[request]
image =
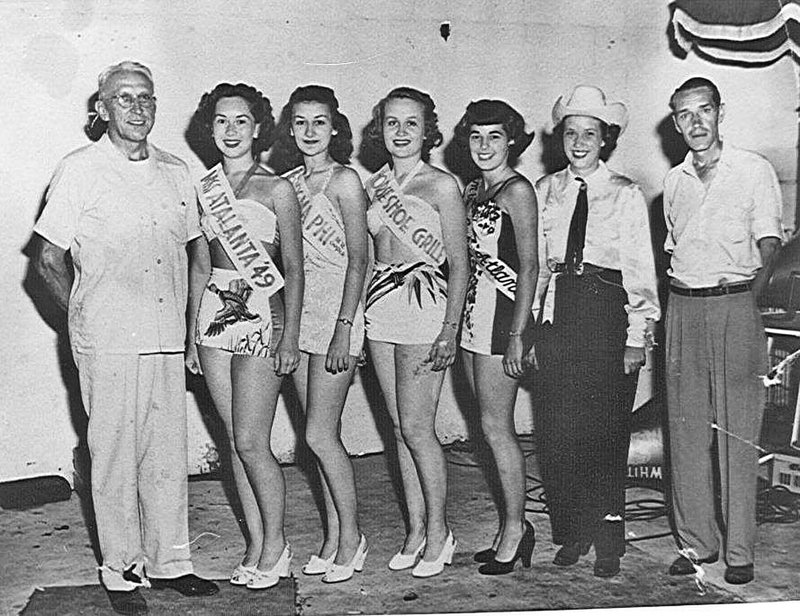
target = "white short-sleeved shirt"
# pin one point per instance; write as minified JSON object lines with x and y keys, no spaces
{"x":126,"y":224}
{"x":713,"y":232}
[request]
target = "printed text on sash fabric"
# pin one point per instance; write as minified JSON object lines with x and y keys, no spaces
{"x":319,"y":227}
{"x":399,"y":218}
{"x":216,"y":197}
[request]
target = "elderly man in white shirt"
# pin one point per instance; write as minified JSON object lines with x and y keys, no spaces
{"x":124,"y":210}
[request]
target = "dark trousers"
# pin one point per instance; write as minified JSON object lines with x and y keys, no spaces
{"x":583,"y":420}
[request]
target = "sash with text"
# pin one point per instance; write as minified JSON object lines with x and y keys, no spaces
{"x":498,"y":271}
{"x":410,"y":219}
{"x":323,"y":229}
{"x":247,"y":254}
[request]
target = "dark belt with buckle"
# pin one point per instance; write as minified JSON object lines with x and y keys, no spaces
{"x":723,"y":289}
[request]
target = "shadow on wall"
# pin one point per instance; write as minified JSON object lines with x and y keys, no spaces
{"x":674,"y":149}
{"x":34,"y":287}
{"x":553,"y":158}
{"x":196,"y":136}
{"x":57,"y":320}
{"x":457,"y":160}
{"x":95,"y":127}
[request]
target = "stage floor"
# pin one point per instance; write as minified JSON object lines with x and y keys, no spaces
{"x":49,"y":545}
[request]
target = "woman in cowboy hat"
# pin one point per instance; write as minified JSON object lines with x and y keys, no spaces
{"x":599,"y":299}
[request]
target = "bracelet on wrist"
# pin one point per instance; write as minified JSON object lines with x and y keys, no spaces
{"x":512,"y":334}
{"x":453,"y":324}
{"x":345,"y":321}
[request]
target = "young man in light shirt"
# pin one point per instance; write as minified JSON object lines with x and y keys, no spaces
{"x":722,"y":207}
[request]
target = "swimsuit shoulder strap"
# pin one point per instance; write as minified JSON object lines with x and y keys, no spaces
{"x":326,"y":179}
{"x":245,"y":178}
{"x":501,"y":188}
{"x":406,"y":180}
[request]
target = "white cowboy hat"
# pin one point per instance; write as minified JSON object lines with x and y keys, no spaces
{"x":590,"y":101}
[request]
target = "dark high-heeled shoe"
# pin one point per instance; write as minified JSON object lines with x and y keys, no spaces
{"x":485,"y":556}
{"x":524,"y":553}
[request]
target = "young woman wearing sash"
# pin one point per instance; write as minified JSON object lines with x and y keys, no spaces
{"x":414,"y":303}
{"x":598,"y":278}
{"x":314,"y":134}
{"x":245,"y":342}
{"x":497,"y":323}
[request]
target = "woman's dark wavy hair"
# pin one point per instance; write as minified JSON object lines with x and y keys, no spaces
{"x":286,"y":155}
{"x":373,"y":153}
{"x":485,"y":112}
{"x":608,"y":132}
{"x":201,"y":135}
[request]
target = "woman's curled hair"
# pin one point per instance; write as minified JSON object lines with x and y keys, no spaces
{"x":201,"y":130}
{"x":373,"y":152}
{"x":485,"y":112}
{"x":286,"y":155}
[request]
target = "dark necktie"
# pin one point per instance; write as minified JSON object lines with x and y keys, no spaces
{"x":577,"y":231}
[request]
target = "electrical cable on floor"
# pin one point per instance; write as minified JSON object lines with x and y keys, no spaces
{"x":640,"y":509}
{"x":777,"y":505}
{"x":774,"y":505}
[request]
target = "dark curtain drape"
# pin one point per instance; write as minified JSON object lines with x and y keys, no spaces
{"x":738,"y":31}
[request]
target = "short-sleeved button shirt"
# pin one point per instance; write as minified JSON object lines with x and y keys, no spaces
{"x":126,"y":225}
{"x":713,"y":232}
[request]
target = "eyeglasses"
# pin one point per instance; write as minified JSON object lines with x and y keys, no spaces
{"x":126,"y":101}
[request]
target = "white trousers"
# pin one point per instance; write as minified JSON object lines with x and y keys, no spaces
{"x":137,"y":441}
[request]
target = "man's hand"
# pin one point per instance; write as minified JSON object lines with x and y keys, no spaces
{"x":768,"y":248}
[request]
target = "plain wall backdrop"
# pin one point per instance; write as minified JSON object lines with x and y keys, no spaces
{"x":527,"y":52}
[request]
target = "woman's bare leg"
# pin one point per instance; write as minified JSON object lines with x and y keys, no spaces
{"x":331,"y":537}
{"x":383,"y":358}
{"x":326,"y":396}
{"x":469,"y":370}
{"x":255,"y":395}
{"x":216,"y":366}
{"x":418,"y":388}
{"x":497,"y":393}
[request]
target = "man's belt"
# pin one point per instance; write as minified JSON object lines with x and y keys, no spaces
{"x":723,"y":289}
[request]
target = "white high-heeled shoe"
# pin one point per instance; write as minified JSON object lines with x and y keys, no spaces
{"x":242,"y":574}
{"x":429,"y":568}
{"x":402,"y":561}
{"x":342,"y":573}
{"x":268,"y":579}
{"x":317,"y":565}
